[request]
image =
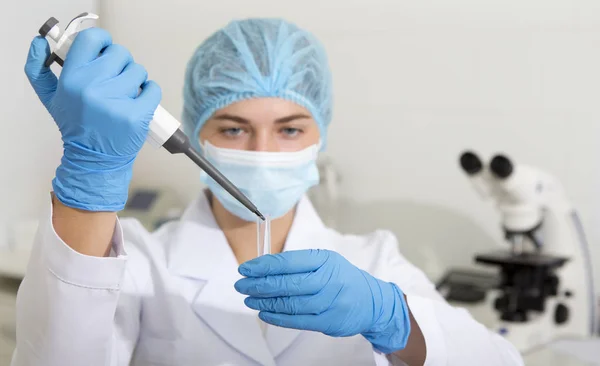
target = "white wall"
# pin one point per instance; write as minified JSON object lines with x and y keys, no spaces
{"x":31,"y":146}
{"x":416,"y":83}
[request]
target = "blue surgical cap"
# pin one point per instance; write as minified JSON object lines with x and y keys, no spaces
{"x":257,"y":58}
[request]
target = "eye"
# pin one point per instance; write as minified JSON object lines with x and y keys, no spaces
{"x":232,"y":132}
{"x":291,"y":131}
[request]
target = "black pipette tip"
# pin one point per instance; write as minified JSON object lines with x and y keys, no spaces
{"x":179,"y":143}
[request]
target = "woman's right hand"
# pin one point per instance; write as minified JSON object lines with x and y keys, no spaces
{"x":101,"y":113}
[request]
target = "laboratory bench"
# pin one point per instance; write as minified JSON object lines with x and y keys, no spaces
{"x":563,"y":352}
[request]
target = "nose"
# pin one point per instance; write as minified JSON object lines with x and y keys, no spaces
{"x":264,"y":140}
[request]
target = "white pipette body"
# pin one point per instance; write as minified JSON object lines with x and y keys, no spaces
{"x":163,"y":129}
{"x":162,"y":126}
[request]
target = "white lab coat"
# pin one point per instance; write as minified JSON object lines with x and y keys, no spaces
{"x":167,"y":298}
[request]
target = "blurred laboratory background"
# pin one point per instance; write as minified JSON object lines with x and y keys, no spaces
{"x":416,"y":84}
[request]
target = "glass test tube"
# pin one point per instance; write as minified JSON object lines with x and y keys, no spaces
{"x":263,"y":236}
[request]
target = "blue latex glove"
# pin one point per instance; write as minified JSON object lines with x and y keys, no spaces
{"x":102,"y":120}
{"x":320,"y":290}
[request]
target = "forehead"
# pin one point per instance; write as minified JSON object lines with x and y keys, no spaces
{"x":258,"y":109}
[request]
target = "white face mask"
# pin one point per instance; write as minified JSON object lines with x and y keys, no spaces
{"x":273,"y":181}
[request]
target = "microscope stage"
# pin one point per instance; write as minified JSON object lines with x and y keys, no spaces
{"x":531,"y":260}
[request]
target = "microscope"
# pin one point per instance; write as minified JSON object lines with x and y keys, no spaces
{"x":545,"y":290}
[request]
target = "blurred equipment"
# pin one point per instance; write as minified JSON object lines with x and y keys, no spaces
{"x":152,"y":206}
{"x":164,"y":128}
{"x":467,"y":286}
{"x":546,"y":290}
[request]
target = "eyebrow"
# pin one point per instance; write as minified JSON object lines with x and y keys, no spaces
{"x":291,"y":118}
{"x":238,"y":119}
{"x":229,"y":117}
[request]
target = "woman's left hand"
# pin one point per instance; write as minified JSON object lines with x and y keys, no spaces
{"x":320,"y":290}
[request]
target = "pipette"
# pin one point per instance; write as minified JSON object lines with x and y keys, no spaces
{"x":164,"y":128}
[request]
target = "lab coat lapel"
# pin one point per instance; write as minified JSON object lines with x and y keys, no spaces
{"x":200,"y":251}
{"x":307,"y":232}
{"x":223,"y":310}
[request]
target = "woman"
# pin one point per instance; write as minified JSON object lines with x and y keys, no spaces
{"x":103,"y":291}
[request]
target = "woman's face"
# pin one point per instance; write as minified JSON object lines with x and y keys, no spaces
{"x":263,"y":124}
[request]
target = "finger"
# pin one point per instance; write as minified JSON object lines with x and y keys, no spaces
{"x":150,"y":96}
{"x":296,"y":261}
{"x":131,"y":80}
{"x":302,"y":322}
{"x":292,"y":305}
{"x":113,"y":60}
{"x":41,"y":78}
{"x":308,"y":283}
{"x":87,"y":46}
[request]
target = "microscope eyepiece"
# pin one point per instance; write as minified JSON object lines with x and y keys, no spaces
{"x":470,"y":163}
{"x":501,"y":166}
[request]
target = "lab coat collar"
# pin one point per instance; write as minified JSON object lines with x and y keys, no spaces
{"x":198,"y":243}
{"x":199,"y":250}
